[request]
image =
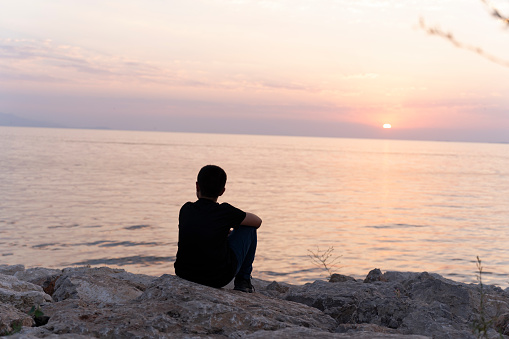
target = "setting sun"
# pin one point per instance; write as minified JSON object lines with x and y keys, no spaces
{"x":387,"y":126}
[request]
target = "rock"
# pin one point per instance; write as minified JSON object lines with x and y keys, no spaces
{"x":258,"y":284}
{"x":302,"y":332}
{"x":502,"y":324}
{"x":229,"y":312}
{"x":21,"y":294}
{"x":11,"y":319}
{"x":112,"y":303}
{"x":335,"y":278}
{"x":278,"y":287}
{"x":411,"y":303}
{"x":99,"y":285}
{"x":38,"y":332}
{"x":11,"y":269}
{"x":174,"y":308}
{"x":374,"y":275}
{"x":44,"y":277}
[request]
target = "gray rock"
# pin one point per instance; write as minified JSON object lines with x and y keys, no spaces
{"x":21,"y":294}
{"x":111,"y":303}
{"x":99,"y":285}
{"x":175,"y":308}
{"x":502,"y":323}
{"x":37,"y":332}
{"x":229,"y":311}
{"x":44,"y":277}
{"x":278,"y":287}
{"x":374,"y":275}
{"x":302,"y":332}
{"x":11,"y":319}
{"x":11,"y":269}
{"x":411,"y":303}
{"x":336,"y":278}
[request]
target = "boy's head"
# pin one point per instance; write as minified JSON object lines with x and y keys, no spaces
{"x":211,"y":181}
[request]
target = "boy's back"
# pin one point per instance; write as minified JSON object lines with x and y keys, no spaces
{"x":208,"y":253}
{"x":203,"y":254}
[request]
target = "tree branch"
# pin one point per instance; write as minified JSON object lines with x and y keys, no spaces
{"x":450,"y":37}
{"x":496,"y":13}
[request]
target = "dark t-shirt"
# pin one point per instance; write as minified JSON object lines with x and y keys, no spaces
{"x":203,"y":254}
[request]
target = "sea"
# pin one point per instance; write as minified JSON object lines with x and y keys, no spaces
{"x":72,"y":197}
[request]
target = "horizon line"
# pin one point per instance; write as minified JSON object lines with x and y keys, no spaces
{"x":257,"y":134}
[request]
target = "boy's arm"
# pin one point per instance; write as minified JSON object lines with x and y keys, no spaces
{"x":251,"y":220}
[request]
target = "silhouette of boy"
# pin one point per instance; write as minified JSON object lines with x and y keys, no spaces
{"x":209,"y":253}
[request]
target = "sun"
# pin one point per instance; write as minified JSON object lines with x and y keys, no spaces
{"x":387,"y":126}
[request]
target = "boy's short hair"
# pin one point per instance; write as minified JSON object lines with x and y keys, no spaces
{"x":211,"y":180}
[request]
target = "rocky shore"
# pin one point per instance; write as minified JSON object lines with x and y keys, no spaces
{"x":84,"y":302}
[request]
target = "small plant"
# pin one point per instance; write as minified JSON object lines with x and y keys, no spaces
{"x":484,"y":323}
{"x":36,"y":312}
{"x":481,"y":325}
{"x":38,"y":315}
{"x":15,"y":328}
{"x":324,"y":259}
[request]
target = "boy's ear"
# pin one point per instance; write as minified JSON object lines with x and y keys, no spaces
{"x":224,"y":189}
{"x":197,"y":187}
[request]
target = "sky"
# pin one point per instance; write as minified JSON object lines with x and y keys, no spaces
{"x":339,"y":68}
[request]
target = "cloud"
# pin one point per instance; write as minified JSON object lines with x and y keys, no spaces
{"x":361,"y":76}
{"x":390,"y":4}
{"x":32,"y":59}
{"x":47,"y":62}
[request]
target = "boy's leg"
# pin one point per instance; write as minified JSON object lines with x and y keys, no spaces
{"x":243,"y":241}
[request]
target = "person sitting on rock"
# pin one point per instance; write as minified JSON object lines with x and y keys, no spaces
{"x":209,"y":251}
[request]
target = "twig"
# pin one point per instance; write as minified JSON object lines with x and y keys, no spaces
{"x":450,"y":37}
{"x":324,"y":259}
{"x":496,"y":13}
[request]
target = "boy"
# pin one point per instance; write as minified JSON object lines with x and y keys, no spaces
{"x":208,"y":253}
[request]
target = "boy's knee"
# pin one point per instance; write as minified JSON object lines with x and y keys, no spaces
{"x":243,"y":232}
{"x":246,"y":229}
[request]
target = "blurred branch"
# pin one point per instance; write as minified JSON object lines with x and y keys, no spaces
{"x":450,"y":37}
{"x":496,"y":13}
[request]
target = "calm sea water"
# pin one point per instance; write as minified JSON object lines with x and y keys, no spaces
{"x":78,"y":197}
